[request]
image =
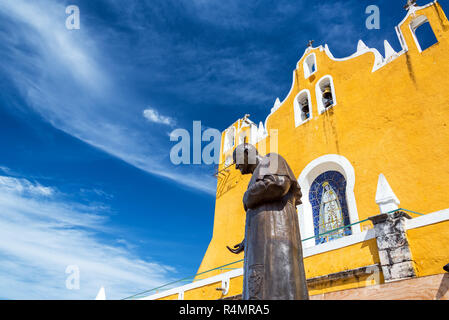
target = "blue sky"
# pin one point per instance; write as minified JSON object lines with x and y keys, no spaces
{"x":85,"y":174}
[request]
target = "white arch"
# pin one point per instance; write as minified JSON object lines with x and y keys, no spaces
{"x":329,"y":162}
{"x":297,"y":108}
{"x":415,"y":24}
{"x":318,"y":92}
{"x":308,"y":63}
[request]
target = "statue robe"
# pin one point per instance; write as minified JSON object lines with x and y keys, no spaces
{"x":273,"y":267}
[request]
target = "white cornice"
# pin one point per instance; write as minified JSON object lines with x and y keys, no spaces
{"x":427,"y":219}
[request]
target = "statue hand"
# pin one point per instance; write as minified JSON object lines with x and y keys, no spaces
{"x":237,"y":248}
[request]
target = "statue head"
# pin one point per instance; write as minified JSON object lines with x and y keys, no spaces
{"x":246,"y":158}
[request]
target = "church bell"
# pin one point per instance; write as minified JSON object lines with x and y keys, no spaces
{"x":305,"y":107}
{"x":327,"y":93}
{"x":327,"y":97}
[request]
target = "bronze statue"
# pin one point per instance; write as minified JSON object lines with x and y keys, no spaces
{"x":273,"y":261}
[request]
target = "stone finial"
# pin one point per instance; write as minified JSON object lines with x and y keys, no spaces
{"x":276,"y":105}
{"x":361,"y":46}
{"x":261,"y":133}
{"x":385,"y":197}
{"x":389,"y":51}
{"x":101,"y":295}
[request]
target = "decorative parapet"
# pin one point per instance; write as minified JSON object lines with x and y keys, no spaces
{"x":394,"y":251}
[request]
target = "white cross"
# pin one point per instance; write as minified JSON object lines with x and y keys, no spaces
{"x":410,"y":3}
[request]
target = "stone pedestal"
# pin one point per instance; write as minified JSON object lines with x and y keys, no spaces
{"x":394,"y":252}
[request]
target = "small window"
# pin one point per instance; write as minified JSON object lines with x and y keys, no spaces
{"x":229,"y":140}
{"x":327,"y":196}
{"x":325,"y":94}
{"x":302,"y":107}
{"x":423,"y":33}
{"x":310,"y":65}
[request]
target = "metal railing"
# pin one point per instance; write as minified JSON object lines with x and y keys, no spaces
{"x":223,"y":267}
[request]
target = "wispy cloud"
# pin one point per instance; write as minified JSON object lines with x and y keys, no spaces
{"x":42,"y":234}
{"x":81,"y":81}
{"x":23,"y":186}
{"x":67,"y":81}
{"x":154,"y":116}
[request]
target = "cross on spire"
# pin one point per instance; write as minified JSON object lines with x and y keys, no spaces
{"x":410,"y":3}
{"x":310,"y":43}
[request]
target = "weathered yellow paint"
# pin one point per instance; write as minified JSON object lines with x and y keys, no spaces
{"x":351,"y":257}
{"x":429,"y":248}
{"x":210,"y":291}
{"x":393,"y":121}
{"x":170,"y":297}
{"x":345,"y":284}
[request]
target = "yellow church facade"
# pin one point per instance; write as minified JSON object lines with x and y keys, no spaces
{"x":367,"y":137}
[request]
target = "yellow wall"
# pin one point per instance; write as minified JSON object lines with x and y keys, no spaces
{"x":210,"y":292}
{"x":352,"y":257}
{"x":429,"y":248}
{"x":393,"y":121}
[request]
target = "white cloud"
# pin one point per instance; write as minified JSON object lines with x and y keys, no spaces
{"x":66,"y":81}
{"x":41,"y":235}
{"x":153,"y":116}
{"x":6,"y":170}
{"x":24,"y":186}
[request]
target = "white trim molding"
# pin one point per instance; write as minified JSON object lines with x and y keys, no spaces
{"x":340,"y":243}
{"x":297,"y":108}
{"x":427,"y":219}
{"x":329,"y":162}
{"x":411,"y":12}
{"x":307,"y":65}
{"x":415,"y":24}
{"x":221,"y":279}
{"x":319,"y":93}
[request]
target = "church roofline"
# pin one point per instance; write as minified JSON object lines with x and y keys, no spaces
{"x":379,"y":60}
